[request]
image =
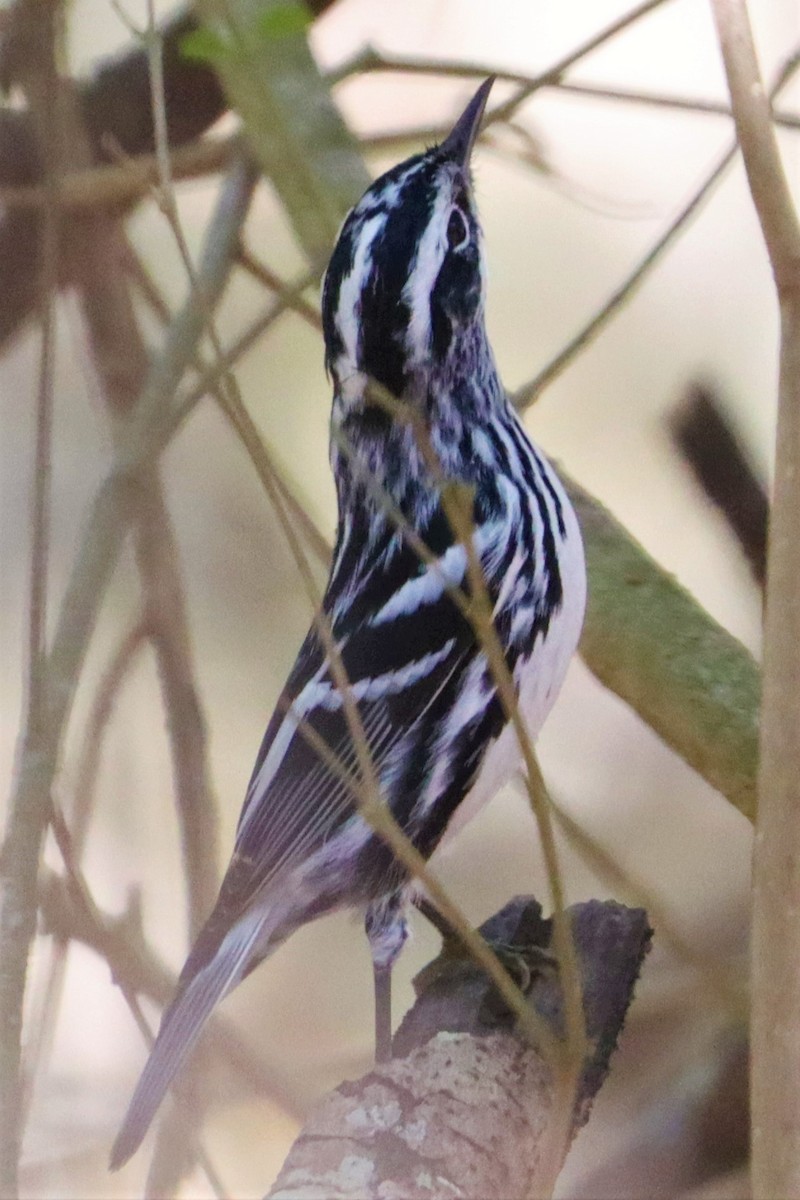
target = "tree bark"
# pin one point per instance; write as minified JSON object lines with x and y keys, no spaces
{"x":467,"y":1108}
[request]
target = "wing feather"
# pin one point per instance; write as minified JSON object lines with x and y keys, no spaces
{"x":408,"y":652}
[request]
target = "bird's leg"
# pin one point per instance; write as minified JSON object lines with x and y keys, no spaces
{"x":382,"y":977}
{"x":431,"y":913}
{"x":387,"y":931}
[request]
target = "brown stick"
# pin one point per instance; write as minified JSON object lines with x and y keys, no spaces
{"x":100,"y":250}
{"x":775,"y":1024}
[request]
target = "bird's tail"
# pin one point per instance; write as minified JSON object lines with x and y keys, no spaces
{"x":181,"y":1026}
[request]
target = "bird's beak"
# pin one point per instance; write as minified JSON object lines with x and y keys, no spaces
{"x":459,"y":142}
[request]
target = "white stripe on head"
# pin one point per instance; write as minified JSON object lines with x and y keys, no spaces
{"x":424,"y":273}
{"x":348,"y":315}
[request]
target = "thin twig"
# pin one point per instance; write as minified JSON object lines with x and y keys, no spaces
{"x":82,"y":898}
{"x":458,"y":503}
{"x":127,"y":181}
{"x":720,"y":985}
{"x":120,"y":942}
{"x":44,"y":103}
{"x":364,"y":787}
{"x":111,"y":681}
{"x":775,"y":1023}
{"x":691,"y":104}
{"x":372,"y":60}
{"x":527,"y":395}
{"x":84,"y":793}
{"x":266,"y":276}
{"x":26,"y":823}
{"x":108,"y":521}
{"x":289,"y":298}
{"x":168,"y":625}
{"x":159,"y":408}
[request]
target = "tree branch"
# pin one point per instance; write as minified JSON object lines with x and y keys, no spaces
{"x":775,"y":1024}
{"x":114,"y":508}
{"x":291,"y":121}
{"x":652,"y":644}
{"x":115,"y":105}
{"x":466,"y":1108}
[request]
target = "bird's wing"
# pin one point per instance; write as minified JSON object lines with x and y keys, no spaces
{"x":405,"y":649}
{"x":404,"y":646}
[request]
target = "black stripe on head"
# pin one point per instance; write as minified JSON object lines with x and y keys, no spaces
{"x":456,"y":296}
{"x":340,"y":265}
{"x":377,"y":306}
{"x":385,"y":312}
{"x":379,"y":198}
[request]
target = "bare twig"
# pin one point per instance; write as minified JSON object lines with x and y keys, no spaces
{"x":267,"y":277}
{"x":690,"y":104}
{"x":84,"y":792}
{"x":364,"y":786}
{"x":103,"y":702}
{"x":775,"y":1026}
{"x":36,"y":30}
{"x":372,"y":60}
{"x":120,"y":942}
{"x":167,"y":620}
{"x":719,"y":984}
{"x":82,"y":898}
{"x":476,"y":605}
{"x":129,"y":180}
{"x":530,"y":392}
{"x":108,"y":521}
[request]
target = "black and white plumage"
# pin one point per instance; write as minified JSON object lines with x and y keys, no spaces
{"x":403,"y":304}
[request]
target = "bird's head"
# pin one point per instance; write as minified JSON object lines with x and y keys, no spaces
{"x":406,"y":280}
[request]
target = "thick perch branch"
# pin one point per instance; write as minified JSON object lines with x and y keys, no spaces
{"x":468,"y":1108}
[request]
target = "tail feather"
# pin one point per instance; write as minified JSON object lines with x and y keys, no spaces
{"x":180,"y":1028}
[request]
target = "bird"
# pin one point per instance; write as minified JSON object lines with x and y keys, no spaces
{"x":403,"y":314}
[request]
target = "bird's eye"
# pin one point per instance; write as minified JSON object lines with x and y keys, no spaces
{"x":457,"y":230}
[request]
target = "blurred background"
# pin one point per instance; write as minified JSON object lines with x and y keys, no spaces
{"x":561,"y":234}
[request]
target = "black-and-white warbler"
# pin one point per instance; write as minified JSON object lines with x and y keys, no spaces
{"x":403,"y":305}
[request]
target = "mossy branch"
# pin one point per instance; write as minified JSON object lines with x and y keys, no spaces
{"x":649,"y":641}
{"x":261,"y":52}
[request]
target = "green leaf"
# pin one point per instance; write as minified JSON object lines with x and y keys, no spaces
{"x":203,"y":45}
{"x":283,"y":19}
